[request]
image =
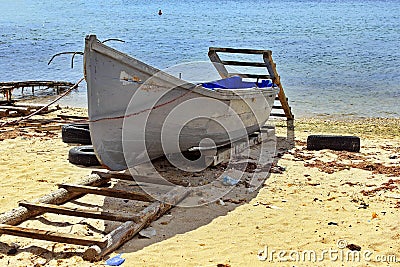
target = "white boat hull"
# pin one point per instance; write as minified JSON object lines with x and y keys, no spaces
{"x":138,"y":113}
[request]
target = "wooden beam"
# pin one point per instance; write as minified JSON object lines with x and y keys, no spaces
{"x":94,"y":214}
{"x":127,"y":230}
{"x":22,"y":110}
{"x":109,"y":192}
{"x":271,"y":66}
{"x":249,"y":75}
{"x":242,"y":63}
{"x":4,"y":112}
{"x":51,"y":236}
{"x":135,"y":178}
{"x":223,"y":72}
{"x":66,"y":117}
{"x":277,"y":115}
{"x":238,"y":50}
{"x":60,"y":196}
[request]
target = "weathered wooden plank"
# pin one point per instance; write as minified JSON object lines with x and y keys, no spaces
{"x":238,"y":50}
{"x":59,"y":196}
{"x":243,"y":63}
{"x":223,"y":72}
{"x":4,"y":112}
{"x":109,"y":192}
{"x":127,"y":230}
{"x":135,"y":178}
{"x":277,"y":107}
{"x":277,"y":115}
{"x":76,"y":212}
{"x":51,"y":236}
{"x":72,"y":117}
{"x":34,"y":83}
{"x":251,"y":75}
{"x":23,"y":110}
{"x":32,"y":106}
{"x":271,"y":66}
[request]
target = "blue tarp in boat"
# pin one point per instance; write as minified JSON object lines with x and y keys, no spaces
{"x":236,"y":82}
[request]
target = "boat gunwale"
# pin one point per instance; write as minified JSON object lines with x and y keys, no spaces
{"x":92,"y":43}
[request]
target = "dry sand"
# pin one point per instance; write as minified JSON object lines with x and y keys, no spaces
{"x":321,"y":200}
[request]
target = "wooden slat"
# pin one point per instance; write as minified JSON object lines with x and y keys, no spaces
{"x":242,"y":63}
{"x":72,"y":117}
{"x":109,"y":192}
{"x":236,"y":50}
{"x":136,"y":178}
{"x":51,"y":236}
{"x":277,"y":115}
{"x":250,"y":75}
{"x":78,"y":212}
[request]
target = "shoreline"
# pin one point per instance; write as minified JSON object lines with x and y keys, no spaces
{"x":305,"y":207}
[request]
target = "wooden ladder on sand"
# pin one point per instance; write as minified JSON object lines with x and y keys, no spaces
{"x":94,"y":184}
{"x":268,"y":63}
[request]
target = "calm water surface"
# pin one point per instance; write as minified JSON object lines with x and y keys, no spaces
{"x":337,"y":58}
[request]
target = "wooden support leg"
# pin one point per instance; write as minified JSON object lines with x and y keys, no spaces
{"x":290,"y":132}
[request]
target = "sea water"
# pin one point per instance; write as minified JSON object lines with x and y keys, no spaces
{"x":335,"y":58}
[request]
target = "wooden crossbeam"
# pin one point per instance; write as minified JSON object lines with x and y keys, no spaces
{"x":238,"y":50}
{"x":268,"y":63}
{"x":278,"y":115}
{"x":51,"y":236}
{"x":244,"y":64}
{"x":136,"y":178}
{"x":76,"y":212}
{"x":109,"y":192}
{"x":250,"y":75}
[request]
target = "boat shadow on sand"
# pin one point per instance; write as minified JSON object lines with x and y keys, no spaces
{"x":178,"y":220}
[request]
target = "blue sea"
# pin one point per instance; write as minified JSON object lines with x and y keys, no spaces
{"x":335,"y":58}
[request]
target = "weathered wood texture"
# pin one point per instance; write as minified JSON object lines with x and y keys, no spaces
{"x":51,"y":236}
{"x":127,"y":230}
{"x":268,"y":63}
{"x":271,"y":66}
{"x":4,"y":112}
{"x":59,"y":196}
{"x":35,"y":83}
{"x":76,"y":212}
{"x":7,"y":88}
{"x":109,"y":192}
{"x":136,"y":178}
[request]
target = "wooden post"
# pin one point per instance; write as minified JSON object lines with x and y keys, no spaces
{"x":212,"y":54}
{"x":59,"y":196}
{"x":271,"y":66}
{"x":127,"y":230}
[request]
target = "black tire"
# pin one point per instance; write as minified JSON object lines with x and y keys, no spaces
{"x":83,"y":155}
{"x":76,"y":134}
{"x":333,"y":142}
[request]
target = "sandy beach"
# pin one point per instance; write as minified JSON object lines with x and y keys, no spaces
{"x":317,"y":208}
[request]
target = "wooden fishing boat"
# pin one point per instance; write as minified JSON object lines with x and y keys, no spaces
{"x":138,"y":113}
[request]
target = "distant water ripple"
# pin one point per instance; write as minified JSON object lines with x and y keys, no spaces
{"x":338,"y":58}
